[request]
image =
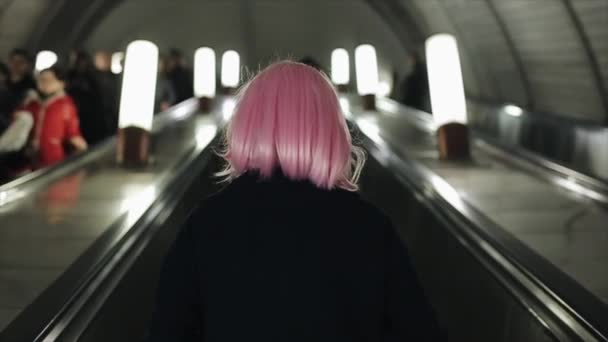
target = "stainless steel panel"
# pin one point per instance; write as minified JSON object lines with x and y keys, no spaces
{"x":581,"y":147}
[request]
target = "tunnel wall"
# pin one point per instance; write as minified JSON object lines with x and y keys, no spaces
{"x":548,"y":56}
{"x":17,"y":22}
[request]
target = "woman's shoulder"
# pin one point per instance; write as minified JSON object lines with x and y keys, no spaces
{"x":208,"y":207}
{"x":243,"y":196}
{"x":223,"y":201}
{"x":371,"y":211}
{"x":372,"y":216}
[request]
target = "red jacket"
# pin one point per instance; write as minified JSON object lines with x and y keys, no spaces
{"x":55,"y":123}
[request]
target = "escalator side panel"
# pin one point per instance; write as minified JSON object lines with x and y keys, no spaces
{"x":470,"y":303}
{"x":125,"y":314}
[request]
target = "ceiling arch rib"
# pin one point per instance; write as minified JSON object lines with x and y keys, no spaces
{"x":60,"y":31}
{"x":521,"y":71}
{"x":485,"y":79}
{"x":400,"y":21}
{"x":593,"y":62}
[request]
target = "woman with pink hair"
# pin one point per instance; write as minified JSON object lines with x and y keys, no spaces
{"x":288,"y":251}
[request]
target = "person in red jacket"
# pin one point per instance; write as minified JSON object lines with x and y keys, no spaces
{"x":56,"y":129}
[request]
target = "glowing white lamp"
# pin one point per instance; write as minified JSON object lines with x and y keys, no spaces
{"x":366,"y":64}
{"x":340,"y":67}
{"x":231,"y":69}
{"x":117,"y":58}
{"x":137,"y":103}
{"x":139,"y":85}
{"x":445,"y":80}
{"x":204,"y":73}
{"x":45,"y":59}
{"x":513,"y":110}
{"x":447,"y":97}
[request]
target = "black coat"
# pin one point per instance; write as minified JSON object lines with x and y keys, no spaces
{"x":86,"y":92}
{"x":285,"y":261}
{"x":109,"y":88}
{"x":17,"y":92}
{"x":181,"y":80}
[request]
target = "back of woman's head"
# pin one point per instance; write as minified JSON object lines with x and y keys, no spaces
{"x":288,"y":119}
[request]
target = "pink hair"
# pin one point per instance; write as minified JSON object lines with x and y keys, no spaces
{"x":288,"y":117}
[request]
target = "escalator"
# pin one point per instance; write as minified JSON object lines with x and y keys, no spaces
{"x":479,"y":293}
{"x":471,"y":303}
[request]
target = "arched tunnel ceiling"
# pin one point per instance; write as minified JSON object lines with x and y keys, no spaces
{"x":17,"y":18}
{"x":549,"y":56}
{"x":260,"y":30}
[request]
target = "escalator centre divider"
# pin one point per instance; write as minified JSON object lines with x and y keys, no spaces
{"x":34,"y":181}
{"x":534,"y":163}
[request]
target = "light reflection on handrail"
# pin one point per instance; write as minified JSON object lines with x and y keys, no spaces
{"x":228,"y":107}
{"x":137,"y":203}
{"x":204,"y":135}
{"x":8,"y":196}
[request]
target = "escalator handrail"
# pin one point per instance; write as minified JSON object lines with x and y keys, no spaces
{"x":549,"y":170}
{"x":509,"y":256}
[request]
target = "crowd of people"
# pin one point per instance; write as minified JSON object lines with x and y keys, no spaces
{"x":46,"y":115}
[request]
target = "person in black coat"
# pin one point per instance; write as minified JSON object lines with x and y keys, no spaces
{"x":288,"y":251}
{"x":180,"y":76}
{"x":416,"y":84}
{"x":20,"y":81}
{"x":5,"y":110}
{"x":109,"y":88}
{"x":84,"y":88}
{"x":165,"y":94}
